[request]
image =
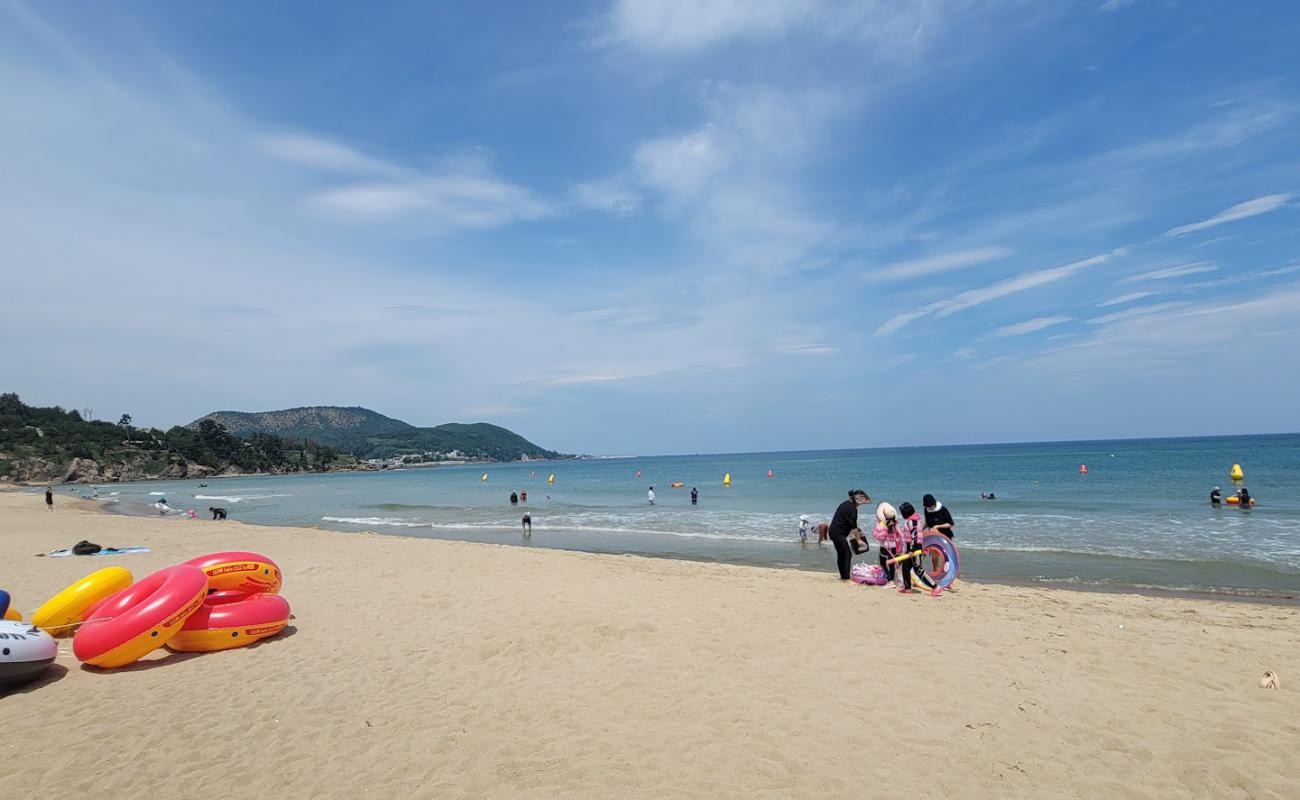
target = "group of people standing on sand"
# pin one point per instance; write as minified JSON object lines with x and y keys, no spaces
{"x":897,"y":530}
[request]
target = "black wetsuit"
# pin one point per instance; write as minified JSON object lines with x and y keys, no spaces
{"x":1215,"y":498}
{"x":695,"y":496}
{"x":939,"y":516}
{"x":842,"y":524}
{"x":514,"y":499}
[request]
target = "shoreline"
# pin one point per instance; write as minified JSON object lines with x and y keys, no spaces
{"x":1266,"y":597}
{"x":454,"y":669}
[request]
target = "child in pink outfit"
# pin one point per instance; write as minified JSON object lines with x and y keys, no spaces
{"x":893,"y":542}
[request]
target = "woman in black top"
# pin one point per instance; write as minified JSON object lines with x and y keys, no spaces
{"x":843,"y":525}
{"x":939,"y":520}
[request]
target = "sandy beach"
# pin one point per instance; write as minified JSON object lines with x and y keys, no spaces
{"x":418,"y":668}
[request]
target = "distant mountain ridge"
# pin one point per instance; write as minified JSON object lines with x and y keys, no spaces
{"x":369,"y":434}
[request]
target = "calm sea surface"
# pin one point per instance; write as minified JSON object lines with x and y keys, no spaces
{"x":1140,"y":517}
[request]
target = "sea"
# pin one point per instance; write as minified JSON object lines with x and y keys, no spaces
{"x":1140,"y":517}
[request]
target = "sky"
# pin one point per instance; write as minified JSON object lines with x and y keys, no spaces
{"x":678,"y":226}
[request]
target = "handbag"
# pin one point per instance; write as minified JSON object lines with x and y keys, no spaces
{"x":860,"y":545}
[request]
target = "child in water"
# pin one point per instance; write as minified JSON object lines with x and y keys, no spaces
{"x":803,"y":529}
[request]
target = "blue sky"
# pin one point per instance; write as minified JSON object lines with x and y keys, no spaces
{"x":649,"y":227}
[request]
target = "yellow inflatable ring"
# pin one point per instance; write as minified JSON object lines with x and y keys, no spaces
{"x":65,"y":608}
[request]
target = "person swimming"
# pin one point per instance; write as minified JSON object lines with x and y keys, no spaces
{"x":1216,"y":497}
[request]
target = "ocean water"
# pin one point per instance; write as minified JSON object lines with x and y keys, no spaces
{"x":1139,"y":518}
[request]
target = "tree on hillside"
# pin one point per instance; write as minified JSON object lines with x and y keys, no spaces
{"x":125,"y":421}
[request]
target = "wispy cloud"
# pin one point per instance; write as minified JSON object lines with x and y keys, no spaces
{"x":1004,"y":288}
{"x":1129,"y":313}
{"x":456,"y":201}
{"x":936,"y":264}
{"x":684,"y":25}
{"x":1195,"y":268}
{"x":807,"y":349}
{"x":1031,"y":325}
{"x":1125,"y":298}
{"x":1250,"y":208}
{"x":611,"y":195}
{"x":314,"y":151}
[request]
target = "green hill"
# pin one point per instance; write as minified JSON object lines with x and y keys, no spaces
{"x":54,"y":445}
{"x":369,"y":434}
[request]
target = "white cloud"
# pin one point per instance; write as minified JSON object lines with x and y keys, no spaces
{"x":1020,"y":283}
{"x":1129,"y":313}
{"x":314,"y":151}
{"x":680,"y":167}
{"x":1031,"y":325}
{"x":1195,"y":268}
{"x":888,"y":26}
{"x":611,"y":195}
{"x":984,"y":294}
{"x":1126,"y":298}
{"x":807,"y":349}
{"x":456,"y":201}
{"x":932,"y":265}
{"x":1250,"y":208}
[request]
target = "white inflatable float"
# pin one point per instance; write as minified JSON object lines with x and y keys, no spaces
{"x":25,"y":652}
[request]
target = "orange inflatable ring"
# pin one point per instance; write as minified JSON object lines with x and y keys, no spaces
{"x":239,"y":571}
{"x":229,"y":625}
{"x":141,"y":618}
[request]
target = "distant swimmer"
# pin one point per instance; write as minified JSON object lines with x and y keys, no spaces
{"x":1243,"y":497}
{"x":988,"y":496}
{"x":650,"y":495}
{"x":528,"y":524}
{"x":695,"y":496}
{"x":1216,"y":497}
{"x":523,"y":495}
{"x":514,"y":498}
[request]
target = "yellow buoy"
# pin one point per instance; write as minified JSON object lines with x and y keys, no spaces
{"x":1236,"y":474}
{"x":550,"y":478}
{"x":484,"y":477}
{"x":726,"y":479}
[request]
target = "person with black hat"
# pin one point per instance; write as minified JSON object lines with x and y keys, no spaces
{"x":844,"y":525}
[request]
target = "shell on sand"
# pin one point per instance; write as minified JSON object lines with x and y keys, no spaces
{"x":1270,"y":681}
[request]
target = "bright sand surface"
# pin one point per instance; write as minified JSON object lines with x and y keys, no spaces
{"x":419,"y":668}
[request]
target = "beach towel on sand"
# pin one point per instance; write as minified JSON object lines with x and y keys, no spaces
{"x":107,"y":551}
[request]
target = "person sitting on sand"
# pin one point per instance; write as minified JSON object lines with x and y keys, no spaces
{"x":1216,"y":497}
{"x":844,"y":525}
{"x":528,"y":524}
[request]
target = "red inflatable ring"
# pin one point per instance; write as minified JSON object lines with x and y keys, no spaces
{"x":239,"y":571}
{"x":141,"y":617}
{"x":228,"y":625}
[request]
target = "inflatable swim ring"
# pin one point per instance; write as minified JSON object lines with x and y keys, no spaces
{"x":25,"y":652}
{"x":239,"y":571}
{"x":64,"y":609}
{"x":229,"y":625}
{"x":676,"y":484}
{"x":5,"y":611}
{"x":949,"y":565}
{"x":141,"y":618}
{"x":1234,"y":500}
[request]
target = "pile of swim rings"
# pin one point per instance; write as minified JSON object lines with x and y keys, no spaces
{"x":214,"y":602}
